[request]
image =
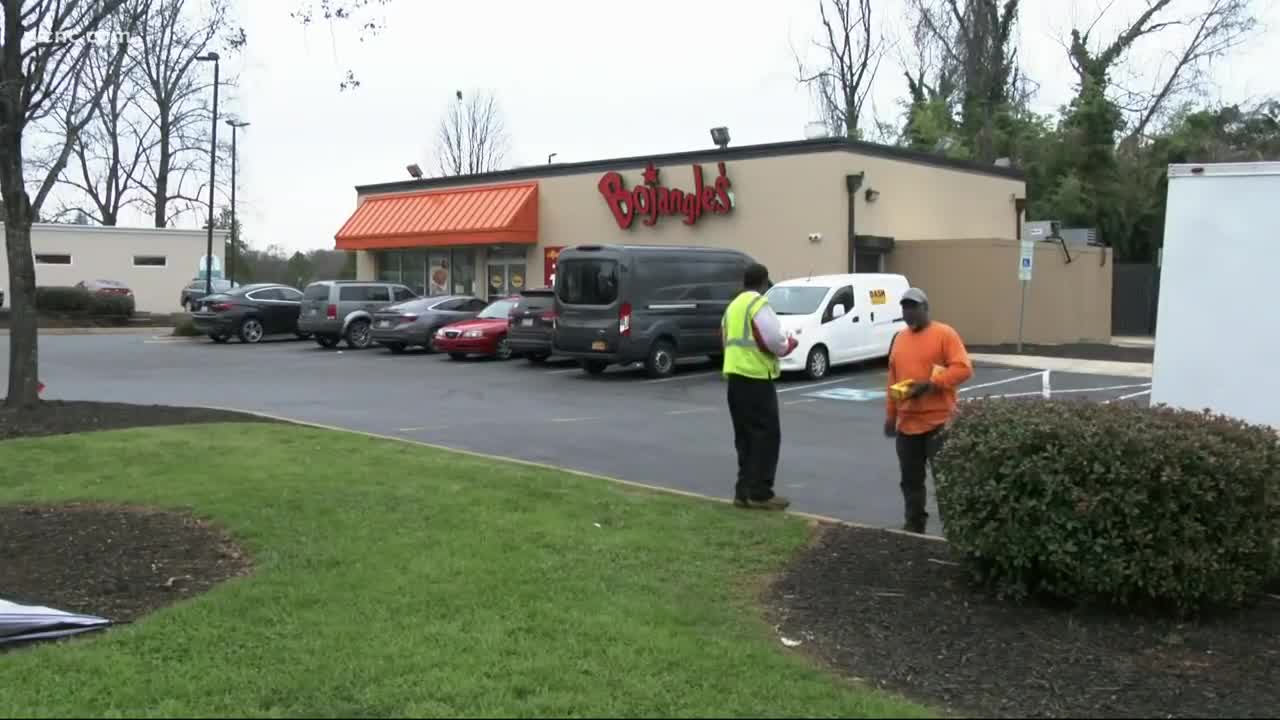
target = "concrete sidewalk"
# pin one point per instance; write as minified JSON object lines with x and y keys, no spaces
{"x":1087,"y":367}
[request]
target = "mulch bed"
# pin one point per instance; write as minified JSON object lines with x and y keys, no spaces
{"x":114,"y":562}
{"x":1075,"y":351}
{"x":56,"y":417}
{"x":897,"y":612}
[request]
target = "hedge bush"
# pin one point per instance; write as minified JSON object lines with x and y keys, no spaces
{"x":1142,"y":508}
{"x":80,"y":301}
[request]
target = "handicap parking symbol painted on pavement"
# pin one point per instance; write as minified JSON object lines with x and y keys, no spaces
{"x":849,"y":394}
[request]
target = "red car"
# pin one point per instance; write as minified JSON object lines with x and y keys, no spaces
{"x":485,"y":334}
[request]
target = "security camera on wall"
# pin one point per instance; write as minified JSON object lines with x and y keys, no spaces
{"x":815,"y":237}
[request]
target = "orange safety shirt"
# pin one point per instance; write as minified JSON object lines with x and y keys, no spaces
{"x":935,"y":354}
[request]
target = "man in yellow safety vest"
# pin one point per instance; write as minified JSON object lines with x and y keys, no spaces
{"x":753,"y":342}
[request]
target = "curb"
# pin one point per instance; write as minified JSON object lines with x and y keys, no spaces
{"x":97,"y":331}
{"x":821,"y":519}
{"x":1071,"y":365}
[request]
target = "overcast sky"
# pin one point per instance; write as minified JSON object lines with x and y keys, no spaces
{"x":581,"y":78}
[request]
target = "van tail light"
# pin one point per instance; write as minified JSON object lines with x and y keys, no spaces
{"x":548,"y":316}
{"x":331,"y":312}
{"x":624,"y":320}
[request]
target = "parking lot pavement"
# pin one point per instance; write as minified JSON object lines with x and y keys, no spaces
{"x":672,"y":432}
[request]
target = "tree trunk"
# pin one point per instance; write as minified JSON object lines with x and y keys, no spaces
{"x":23,"y":382}
{"x":162,"y":178}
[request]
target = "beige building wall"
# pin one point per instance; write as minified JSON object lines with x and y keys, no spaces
{"x":973,"y":285}
{"x":108,"y":253}
{"x":779,"y":201}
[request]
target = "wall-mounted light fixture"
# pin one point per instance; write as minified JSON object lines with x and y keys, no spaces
{"x":720,"y":136}
{"x":815,"y":237}
{"x":414,"y":171}
{"x":871,"y":194}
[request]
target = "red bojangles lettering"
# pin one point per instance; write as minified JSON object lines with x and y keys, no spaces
{"x":650,"y":200}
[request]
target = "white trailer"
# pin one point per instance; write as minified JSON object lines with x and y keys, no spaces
{"x":1217,"y":328}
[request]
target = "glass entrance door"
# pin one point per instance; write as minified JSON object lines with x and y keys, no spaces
{"x":505,"y":279}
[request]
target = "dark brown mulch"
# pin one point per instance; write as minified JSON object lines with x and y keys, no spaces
{"x":56,"y":417}
{"x":896,"y":611}
{"x":114,"y":562}
{"x":1077,"y":351}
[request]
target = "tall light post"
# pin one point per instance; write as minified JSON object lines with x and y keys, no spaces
{"x":235,"y":228}
{"x":213,"y":164}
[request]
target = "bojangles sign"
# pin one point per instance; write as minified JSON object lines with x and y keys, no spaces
{"x":651,"y":200}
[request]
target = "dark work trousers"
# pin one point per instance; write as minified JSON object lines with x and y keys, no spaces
{"x":915,"y":455}
{"x":757,"y":433}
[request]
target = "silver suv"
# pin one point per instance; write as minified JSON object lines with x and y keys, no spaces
{"x":336,"y":310}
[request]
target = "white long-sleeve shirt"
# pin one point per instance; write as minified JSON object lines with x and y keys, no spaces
{"x":767,"y":329}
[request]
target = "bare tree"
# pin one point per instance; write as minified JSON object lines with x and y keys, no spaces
{"x":359,"y":12}
{"x":472,"y":136}
{"x":976,"y":38}
{"x":108,"y":152}
{"x":851,"y":59}
{"x":1221,"y":27}
{"x":176,"y":107}
{"x":42,"y":71}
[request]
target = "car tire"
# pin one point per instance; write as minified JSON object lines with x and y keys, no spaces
{"x":219,"y":338}
{"x":358,"y":336}
{"x":503,"y":351}
{"x":594,"y":367}
{"x":396,"y":348}
{"x":251,"y":331}
{"x":326,"y":341}
{"x":457,"y":356}
{"x":818,"y":364}
{"x":661,"y":362}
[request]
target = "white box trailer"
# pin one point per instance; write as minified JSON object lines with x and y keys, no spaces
{"x":1217,"y":330}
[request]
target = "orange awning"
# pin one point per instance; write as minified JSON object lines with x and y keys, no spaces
{"x":487,"y":215}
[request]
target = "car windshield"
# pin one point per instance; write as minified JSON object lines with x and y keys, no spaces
{"x":796,"y":299}
{"x":497,"y":310}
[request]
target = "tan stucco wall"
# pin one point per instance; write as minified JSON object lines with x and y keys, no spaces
{"x":974,"y":286}
{"x":780,"y":200}
{"x":106,"y":253}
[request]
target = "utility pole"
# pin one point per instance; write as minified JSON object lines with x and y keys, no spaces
{"x":213,"y":166}
{"x":235,"y":124}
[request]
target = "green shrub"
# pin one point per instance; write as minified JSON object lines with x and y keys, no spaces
{"x":57,"y":299}
{"x":185,"y":327}
{"x":1144,"y":508}
{"x":117,"y":306}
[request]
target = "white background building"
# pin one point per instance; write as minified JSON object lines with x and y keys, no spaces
{"x":156,"y":263}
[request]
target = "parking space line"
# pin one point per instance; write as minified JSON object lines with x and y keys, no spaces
{"x":806,"y":386}
{"x":1028,"y":376}
{"x":1130,"y":396}
{"x":1075,"y":390}
{"x":684,"y":377}
{"x":691,"y":410}
{"x":800,"y":402}
{"x":563,"y":371}
{"x":574,"y":419}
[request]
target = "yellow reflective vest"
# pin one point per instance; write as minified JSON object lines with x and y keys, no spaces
{"x":742,"y":356}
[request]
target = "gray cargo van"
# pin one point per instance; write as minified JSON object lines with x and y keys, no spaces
{"x":619,"y":304}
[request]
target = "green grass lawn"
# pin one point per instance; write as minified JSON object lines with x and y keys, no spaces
{"x":393,"y":579}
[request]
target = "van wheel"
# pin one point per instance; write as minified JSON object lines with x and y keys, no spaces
{"x":662,"y":360}
{"x":818,"y":364}
{"x":594,"y":367}
{"x":358,"y":335}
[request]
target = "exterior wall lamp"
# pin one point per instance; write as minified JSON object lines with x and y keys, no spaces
{"x":720,"y":136}
{"x":871,"y":194}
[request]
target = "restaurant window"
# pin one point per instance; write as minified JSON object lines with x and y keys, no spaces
{"x":388,"y":264}
{"x":53,"y":259}
{"x":413,"y":270}
{"x":464,"y":271}
{"x":150,"y":261}
{"x":438,"y":272}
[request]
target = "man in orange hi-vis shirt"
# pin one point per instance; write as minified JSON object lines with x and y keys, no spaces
{"x":932,"y":356}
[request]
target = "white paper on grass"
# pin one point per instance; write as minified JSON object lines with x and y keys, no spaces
{"x":21,"y":623}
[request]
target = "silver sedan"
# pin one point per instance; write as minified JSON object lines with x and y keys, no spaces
{"x":414,"y":322}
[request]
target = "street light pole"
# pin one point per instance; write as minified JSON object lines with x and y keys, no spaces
{"x":235,"y":228}
{"x":213,"y":163}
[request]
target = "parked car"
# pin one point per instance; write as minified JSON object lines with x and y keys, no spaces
{"x":250,"y":312}
{"x":336,"y":310}
{"x":110,"y":288}
{"x":532,"y":323}
{"x":414,"y":323}
{"x":195,"y":290}
{"x":485,"y":334}
{"x":838,"y":319}
{"x":618,"y":304}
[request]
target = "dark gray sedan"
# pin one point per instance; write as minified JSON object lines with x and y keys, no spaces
{"x":414,"y":322}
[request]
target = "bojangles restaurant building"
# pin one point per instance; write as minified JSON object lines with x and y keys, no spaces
{"x":801,"y":208}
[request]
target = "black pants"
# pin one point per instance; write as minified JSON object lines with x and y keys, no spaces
{"x":915,"y":454}
{"x":757,"y":433}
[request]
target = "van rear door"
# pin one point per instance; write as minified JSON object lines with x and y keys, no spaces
{"x":588,"y":297}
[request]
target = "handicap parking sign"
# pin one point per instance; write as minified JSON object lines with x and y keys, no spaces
{"x":848,"y":394}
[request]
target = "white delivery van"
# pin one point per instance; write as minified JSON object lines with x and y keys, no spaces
{"x":838,"y":319}
{"x":1217,"y":339}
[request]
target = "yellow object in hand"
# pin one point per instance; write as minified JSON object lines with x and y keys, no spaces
{"x":899,"y":390}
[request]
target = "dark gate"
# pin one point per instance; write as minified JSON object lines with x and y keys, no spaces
{"x":1135,"y":294}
